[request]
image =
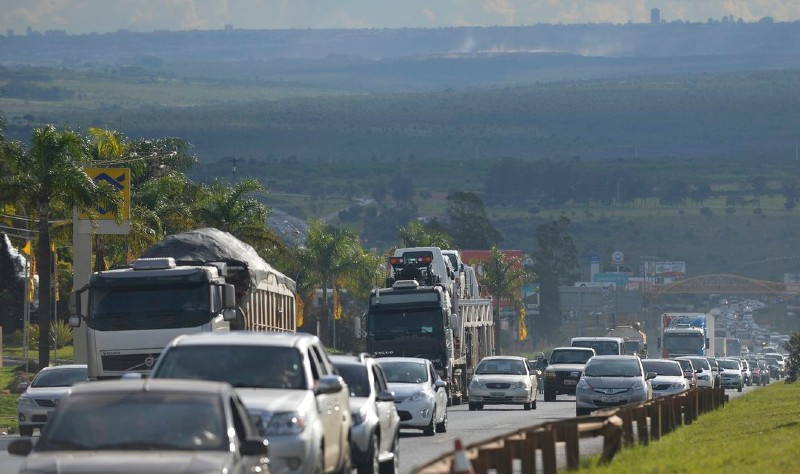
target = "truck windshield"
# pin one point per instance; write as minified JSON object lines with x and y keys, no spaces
{"x":631,"y":347}
{"x":684,"y":343}
{"x":600,"y":347}
{"x":120,"y":308}
{"x":390,"y":324}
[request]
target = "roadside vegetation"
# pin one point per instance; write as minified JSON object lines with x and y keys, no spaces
{"x":757,"y":432}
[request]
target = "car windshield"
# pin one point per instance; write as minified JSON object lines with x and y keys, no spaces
{"x":250,"y":366}
{"x":613,"y":368}
{"x":356,"y":377}
{"x":570,"y":357}
{"x":143,"y":420}
{"x":501,"y":366}
{"x":685,"y":364}
{"x":700,"y":363}
{"x":728,"y":364}
{"x":712,"y":363}
{"x":404,"y":372}
{"x":600,"y":347}
{"x":60,"y":377}
{"x":662,"y":367}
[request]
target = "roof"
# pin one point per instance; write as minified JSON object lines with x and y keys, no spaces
{"x":151,"y":385}
{"x":615,"y":357}
{"x":573,"y":348}
{"x":233,"y":338}
{"x":418,"y":360}
{"x":502,"y":358}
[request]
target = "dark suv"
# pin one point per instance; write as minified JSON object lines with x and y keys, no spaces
{"x":564,"y":369}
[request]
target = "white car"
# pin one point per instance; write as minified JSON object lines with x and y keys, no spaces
{"x":669,"y":379}
{"x":705,"y":376}
{"x":731,"y":375}
{"x":502,"y":380}
{"x":419,"y":393}
{"x":41,"y":397}
{"x":286,"y":381}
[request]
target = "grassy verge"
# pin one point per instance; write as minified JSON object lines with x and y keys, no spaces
{"x":754,"y":433}
{"x":8,"y":402}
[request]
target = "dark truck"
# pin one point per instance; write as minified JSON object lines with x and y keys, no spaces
{"x":563,"y":371}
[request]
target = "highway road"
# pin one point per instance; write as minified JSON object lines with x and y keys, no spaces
{"x":417,"y":449}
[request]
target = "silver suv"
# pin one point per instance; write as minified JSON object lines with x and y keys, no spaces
{"x":288,"y":384}
{"x":375,"y":434}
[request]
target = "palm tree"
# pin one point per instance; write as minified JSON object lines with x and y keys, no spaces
{"x":49,"y":176}
{"x":503,"y":277}
{"x":330,"y":253}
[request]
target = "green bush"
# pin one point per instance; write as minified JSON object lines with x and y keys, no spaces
{"x":60,"y":335}
{"x":793,"y":362}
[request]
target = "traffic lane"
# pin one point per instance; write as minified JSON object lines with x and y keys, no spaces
{"x":417,"y":449}
{"x":473,"y":426}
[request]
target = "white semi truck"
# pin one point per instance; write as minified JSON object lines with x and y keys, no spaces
{"x":198,"y":281}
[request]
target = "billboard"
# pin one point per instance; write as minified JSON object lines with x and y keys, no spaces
{"x":665,"y":269}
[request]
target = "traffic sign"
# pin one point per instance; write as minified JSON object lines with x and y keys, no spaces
{"x":617,"y":257}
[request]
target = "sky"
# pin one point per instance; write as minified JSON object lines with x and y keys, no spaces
{"x":101,"y":16}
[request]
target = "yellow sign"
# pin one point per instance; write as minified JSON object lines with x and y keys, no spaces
{"x":119,"y":179}
{"x":523,"y":329}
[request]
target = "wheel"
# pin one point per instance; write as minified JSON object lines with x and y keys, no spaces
{"x":479,"y":406}
{"x":347,"y":461}
{"x":533,"y":404}
{"x":26,"y":431}
{"x":739,"y":389}
{"x":393,"y":466}
{"x":429,"y":430}
{"x":526,"y":406}
{"x":549,"y":395}
{"x":473,"y":406}
{"x":372,"y":466}
{"x":442,"y":427}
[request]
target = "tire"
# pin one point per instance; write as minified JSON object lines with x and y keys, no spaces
{"x":429,"y":430}
{"x":479,"y":406}
{"x":549,"y":395}
{"x":473,"y":406}
{"x":739,"y":389}
{"x":526,"y":406}
{"x":372,"y":466}
{"x":393,"y":466}
{"x":347,"y":462}
{"x":533,"y":404}
{"x":442,"y":427}
{"x":26,"y":431}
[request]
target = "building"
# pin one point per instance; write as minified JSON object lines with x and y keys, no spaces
{"x":655,"y":16}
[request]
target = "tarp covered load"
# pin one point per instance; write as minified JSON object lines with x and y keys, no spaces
{"x":201,"y":246}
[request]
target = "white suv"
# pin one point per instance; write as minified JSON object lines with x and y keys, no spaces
{"x":288,"y":384}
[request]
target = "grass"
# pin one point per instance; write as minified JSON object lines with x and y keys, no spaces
{"x":754,"y":433}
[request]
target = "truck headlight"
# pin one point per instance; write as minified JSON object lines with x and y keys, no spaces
{"x":285,"y":423}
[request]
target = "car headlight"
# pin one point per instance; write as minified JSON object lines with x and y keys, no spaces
{"x":418,"y":396}
{"x":678,"y":385}
{"x":285,"y":423}
{"x":549,"y":374}
{"x":519,"y":385}
{"x":476,"y":384}
{"x":25,"y":401}
{"x":584,"y":385}
{"x":638,"y":385}
{"x":359,"y":416}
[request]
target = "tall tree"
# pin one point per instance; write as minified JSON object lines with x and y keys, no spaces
{"x":469,"y":222}
{"x":555,"y":263}
{"x":47,"y":176}
{"x":330,"y":253}
{"x":417,"y":234}
{"x":503,"y":277}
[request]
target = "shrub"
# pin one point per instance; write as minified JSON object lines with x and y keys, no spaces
{"x":793,"y":362}
{"x":60,"y":334}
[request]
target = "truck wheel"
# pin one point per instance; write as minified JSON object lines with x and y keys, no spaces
{"x":549,"y":395}
{"x":473,"y":406}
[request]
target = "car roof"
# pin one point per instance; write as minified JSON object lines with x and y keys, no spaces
{"x":65,"y":366}
{"x":503,"y":358}
{"x":573,"y":348}
{"x":418,"y":360}
{"x":614,"y":357}
{"x":341,"y":359}
{"x":279,"y":339}
{"x":152,"y":385}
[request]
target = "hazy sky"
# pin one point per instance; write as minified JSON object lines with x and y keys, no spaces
{"x":84,"y":16}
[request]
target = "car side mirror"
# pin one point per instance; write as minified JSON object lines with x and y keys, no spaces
{"x":20,"y":447}
{"x":74,"y":320}
{"x":254,"y":447}
{"x":329,"y":384}
{"x":651,"y":375}
{"x":385,"y":396}
{"x":440,"y":383}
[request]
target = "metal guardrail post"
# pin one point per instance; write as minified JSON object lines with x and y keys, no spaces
{"x":612,"y":438}
{"x":640,"y":413}
{"x":569,"y":434}
{"x":654,"y":410}
{"x":547,"y":443}
{"x":626,"y":415}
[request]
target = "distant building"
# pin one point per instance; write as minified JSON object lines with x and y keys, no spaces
{"x":655,"y":16}
{"x":10,"y":32}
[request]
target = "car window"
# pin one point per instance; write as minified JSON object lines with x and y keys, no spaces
{"x":380,"y":378}
{"x":60,"y":377}
{"x":728,"y":364}
{"x":662,"y":367}
{"x":241,"y":366}
{"x":356,"y":377}
{"x":613,"y":368}
{"x":701,"y":363}
{"x":404,"y":372}
{"x":322,"y":361}
{"x":501,"y":367}
{"x":570,"y":357}
{"x":151,"y":420}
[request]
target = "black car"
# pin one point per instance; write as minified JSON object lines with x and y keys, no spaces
{"x":564,"y":369}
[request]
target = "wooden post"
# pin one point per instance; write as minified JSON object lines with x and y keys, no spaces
{"x":654,"y":410}
{"x":641,"y":424}
{"x":547,"y":442}
{"x":627,"y":426}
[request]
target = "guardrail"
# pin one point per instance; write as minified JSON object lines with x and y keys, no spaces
{"x":619,"y":427}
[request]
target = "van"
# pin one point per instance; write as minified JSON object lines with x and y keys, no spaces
{"x":601,"y":345}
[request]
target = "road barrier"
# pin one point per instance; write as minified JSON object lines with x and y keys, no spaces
{"x":533,"y":449}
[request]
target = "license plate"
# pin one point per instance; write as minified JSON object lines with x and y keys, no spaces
{"x":609,"y":399}
{"x":570,"y":382}
{"x":497,"y":394}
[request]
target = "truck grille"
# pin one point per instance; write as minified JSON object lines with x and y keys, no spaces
{"x":134,"y":362}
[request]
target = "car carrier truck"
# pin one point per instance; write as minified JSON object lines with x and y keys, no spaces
{"x":198,"y":281}
{"x":414,"y":318}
